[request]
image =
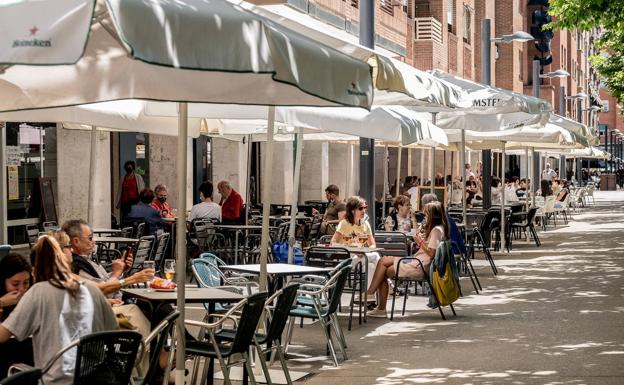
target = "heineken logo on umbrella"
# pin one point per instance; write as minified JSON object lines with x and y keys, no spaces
{"x":33,"y":41}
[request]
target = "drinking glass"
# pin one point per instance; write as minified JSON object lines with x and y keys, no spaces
{"x":169,"y":269}
{"x":149,"y":265}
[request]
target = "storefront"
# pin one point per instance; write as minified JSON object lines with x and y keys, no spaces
{"x":28,"y":167}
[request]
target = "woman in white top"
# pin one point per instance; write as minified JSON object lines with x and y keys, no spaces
{"x":206,"y":209}
{"x":434,"y":230}
{"x":57,"y":310}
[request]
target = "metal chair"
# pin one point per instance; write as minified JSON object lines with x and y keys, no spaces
{"x":330,"y":294}
{"x":50,"y":226}
{"x":152,"y":345}
{"x":250,"y":309}
{"x":103,"y":358}
{"x":32,"y":232}
{"x":143,"y":252}
{"x":527,"y":225}
{"x":4,"y":251}
{"x":160,"y":248}
{"x":27,"y":377}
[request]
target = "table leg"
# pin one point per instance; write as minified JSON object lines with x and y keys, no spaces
{"x":236,"y":247}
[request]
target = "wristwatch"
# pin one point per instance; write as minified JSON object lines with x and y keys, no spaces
{"x":122,"y":283}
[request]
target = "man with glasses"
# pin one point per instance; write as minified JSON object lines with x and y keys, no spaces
{"x":82,"y":245}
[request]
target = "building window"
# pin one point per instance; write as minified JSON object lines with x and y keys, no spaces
{"x":450,"y":15}
{"x":467,"y":24}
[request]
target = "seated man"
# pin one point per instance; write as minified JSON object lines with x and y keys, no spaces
{"x":206,"y":209}
{"x":231,"y":203}
{"x":143,"y":211}
{"x":335,"y":212}
{"x":160,"y":202}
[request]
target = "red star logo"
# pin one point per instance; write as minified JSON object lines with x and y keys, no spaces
{"x":33,"y":30}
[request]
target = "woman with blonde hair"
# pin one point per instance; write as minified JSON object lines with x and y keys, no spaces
{"x":58,"y":309}
{"x":435,"y":230}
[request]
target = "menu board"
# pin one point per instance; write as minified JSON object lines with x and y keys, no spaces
{"x":42,"y":200}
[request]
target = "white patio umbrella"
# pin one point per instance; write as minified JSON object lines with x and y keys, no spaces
{"x":172,"y":51}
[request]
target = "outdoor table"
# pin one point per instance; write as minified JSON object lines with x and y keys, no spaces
{"x":277,"y":271}
{"x":236,"y":229}
{"x":114,"y":240}
{"x":208,"y":295}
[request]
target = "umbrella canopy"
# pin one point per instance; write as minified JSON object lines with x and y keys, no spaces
{"x":396,"y":83}
{"x":164,"y":50}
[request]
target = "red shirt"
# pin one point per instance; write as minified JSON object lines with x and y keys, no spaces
{"x":232,"y":206}
{"x":163,"y":208}
{"x":129,"y":190}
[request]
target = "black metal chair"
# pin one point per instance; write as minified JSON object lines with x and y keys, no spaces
{"x":278,"y":306}
{"x":153,"y":344}
{"x":50,"y":226}
{"x":326,"y":314}
{"x":27,"y":377}
{"x":32,"y":232}
{"x":102,"y":358}
{"x":526,"y":226}
{"x":159,"y":249}
{"x":252,"y":308}
{"x":480,"y":236}
{"x":333,"y":257}
{"x":143,"y":252}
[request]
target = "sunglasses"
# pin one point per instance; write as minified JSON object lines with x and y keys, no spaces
{"x":362,"y":208}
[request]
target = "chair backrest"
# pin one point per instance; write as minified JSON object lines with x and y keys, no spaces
{"x":140,"y":230}
{"x":205,"y":233}
{"x":32,"y":231}
{"x":126,"y":232}
{"x":315,"y":231}
{"x":144,"y":249}
{"x":106,"y":357}
{"x":285,"y":299}
{"x":50,"y":226}
{"x":160,"y":247}
{"x":392,"y":242}
{"x":340,"y":280}
{"x":549,"y":204}
{"x":248,"y":322}
{"x":531,"y":214}
{"x":326,"y":256}
{"x":205,"y":272}
{"x":27,"y":377}
{"x":325,"y":239}
{"x":156,"y":342}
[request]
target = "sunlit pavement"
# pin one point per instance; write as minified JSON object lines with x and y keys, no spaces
{"x":553,"y":315}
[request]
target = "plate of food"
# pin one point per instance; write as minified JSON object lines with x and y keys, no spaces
{"x":159,"y":284}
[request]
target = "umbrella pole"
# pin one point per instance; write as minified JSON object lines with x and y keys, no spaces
{"x":266,"y":199}
{"x":533,"y":188}
{"x":526,"y":155}
{"x":462,"y":156}
{"x":295,"y":198}
{"x":385,"y":183}
{"x":248,"y":184}
{"x":432,"y":162}
{"x":422,"y":167}
{"x":409,"y":161}
{"x":349,"y":170}
{"x":181,"y":239}
{"x":91,"y":213}
{"x":502,"y":164}
{"x":398,"y":183}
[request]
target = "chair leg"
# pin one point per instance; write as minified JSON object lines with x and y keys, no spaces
{"x":280,"y":355}
{"x":341,"y":342}
{"x":330,"y":343}
{"x":396,"y":287}
{"x":289,"y":332}
{"x":263,"y":363}
{"x":453,"y":310}
{"x":226,"y":371}
{"x":252,"y":378}
{"x":405,"y":299}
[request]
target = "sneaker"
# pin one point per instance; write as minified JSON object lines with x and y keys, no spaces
{"x":377,"y":313}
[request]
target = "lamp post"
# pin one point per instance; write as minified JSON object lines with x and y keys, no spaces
{"x":579,"y":108}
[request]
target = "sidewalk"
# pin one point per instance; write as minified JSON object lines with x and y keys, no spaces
{"x":553,"y":315}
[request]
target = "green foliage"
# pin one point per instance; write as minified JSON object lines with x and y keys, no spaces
{"x":607,"y":15}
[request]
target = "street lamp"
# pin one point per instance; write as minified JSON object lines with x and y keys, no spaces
{"x":555,"y":74}
{"x":519,"y":36}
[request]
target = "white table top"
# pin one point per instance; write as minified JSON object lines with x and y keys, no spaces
{"x":355,"y":249}
{"x":108,"y":231}
{"x":278,"y":269}
{"x":115,"y":240}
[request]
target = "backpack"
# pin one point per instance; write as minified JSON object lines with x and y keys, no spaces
{"x":445,"y":275}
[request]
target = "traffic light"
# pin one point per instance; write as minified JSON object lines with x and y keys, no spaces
{"x":542,"y":37}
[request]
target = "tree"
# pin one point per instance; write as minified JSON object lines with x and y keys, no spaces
{"x":606,"y":15}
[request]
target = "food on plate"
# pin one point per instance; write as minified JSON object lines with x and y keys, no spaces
{"x":163,"y":284}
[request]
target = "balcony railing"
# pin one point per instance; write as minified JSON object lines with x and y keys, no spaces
{"x":428,"y":28}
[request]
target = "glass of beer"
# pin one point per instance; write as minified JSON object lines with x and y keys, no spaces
{"x":149,"y":265}
{"x":169,"y":269}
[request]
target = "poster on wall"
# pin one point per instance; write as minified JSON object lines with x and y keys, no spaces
{"x":13,"y":185}
{"x":13,"y":155}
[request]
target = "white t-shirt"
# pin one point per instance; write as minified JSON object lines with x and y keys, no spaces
{"x":205,"y":210}
{"x":549,"y":174}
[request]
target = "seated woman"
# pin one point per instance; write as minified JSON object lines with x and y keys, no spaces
{"x":401,"y":219}
{"x":436,"y":229}
{"x":563,"y":193}
{"x":15,"y":279}
{"x":497,"y":191}
{"x":57,"y":309}
{"x":355,"y":230}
